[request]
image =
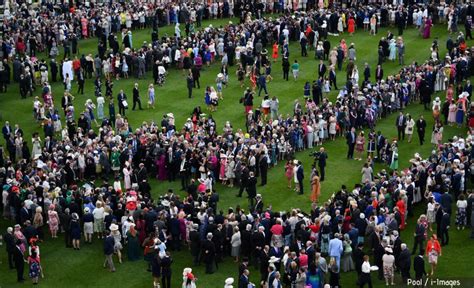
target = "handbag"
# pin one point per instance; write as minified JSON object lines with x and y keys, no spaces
{"x":125,"y":104}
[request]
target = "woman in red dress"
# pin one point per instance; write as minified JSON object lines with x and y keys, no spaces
{"x":275,"y":51}
{"x":351,"y":25}
{"x":402,"y":209}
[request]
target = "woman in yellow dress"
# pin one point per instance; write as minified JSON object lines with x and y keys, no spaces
{"x":315,"y":186}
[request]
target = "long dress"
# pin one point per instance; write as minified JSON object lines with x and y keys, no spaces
{"x":315,"y":189}
{"x":351,"y":25}
{"x":160,"y":163}
{"x":394,"y":163}
{"x":275,"y":51}
{"x":127,"y":179}
{"x":460,"y":113}
{"x":133,"y":247}
{"x":393,"y":50}
{"x":427,"y":29}
{"x":53,"y":220}
{"x":452,"y":113}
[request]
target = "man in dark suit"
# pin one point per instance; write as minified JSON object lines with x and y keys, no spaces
{"x":321,"y":69}
{"x":49,"y":129}
{"x":323,"y":156}
{"x":7,"y":130}
{"x":405,"y":262}
{"x":400,"y":20}
{"x":10,"y":246}
{"x":351,"y":140}
{"x":251,"y":188}
{"x":24,"y":214}
{"x":367,"y":72}
{"x":195,"y":241}
{"x":136,"y":97}
{"x":109,"y":243}
{"x":419,"y":266}
{"x":421,"y":128}
{"x":444,"y":227}
{"x":379,"y":73}
{"x":380,"y":144}
{"x":19,"y":260}
{"x":66,"y":101}
{"x":381,"y":55}
{"x":300,"y":176}
{"x":332,"y":77}
{"x":401,"y":123}
{"x":121,"y":97}
{"x":263,"y":165}
{"x":208,"y":253}
{"x":244,"y":279}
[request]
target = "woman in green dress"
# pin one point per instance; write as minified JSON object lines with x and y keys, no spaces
{"x":133,"y":245}
{"x":115,"y":160}
{"x":394,"y":162}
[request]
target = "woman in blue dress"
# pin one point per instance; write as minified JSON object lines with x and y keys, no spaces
{"x":392,"y":47}
{"x":151,"y":96}
{"x":207,"y":97}
{"x":461,"y":109}
{"x":75,"y":230}
{"x":314,"y":277}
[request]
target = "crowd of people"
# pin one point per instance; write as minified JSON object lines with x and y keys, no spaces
{"x":89,"y":182}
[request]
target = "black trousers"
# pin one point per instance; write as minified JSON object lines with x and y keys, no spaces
{"x":19,"y":271}
{"x":166,"y":281}
{"x":322,"y":172}
{"x":350,"y":152}
{"x":285,"y":75}
{"x":135,"y":101}
{"x":401,"y":133}
{"x":121,"y":110}
{"x":418,"y":242}
{"x":263,"y":176}
{"x":365,"y":279}
{"x":67,"y":239}
{"x":444,"y":237}
{"x":190,"y":92}
{"x":10,"y":260}
{"x":196,"y":83}
{"x":421,"y":136}
{"x":300,"y":183}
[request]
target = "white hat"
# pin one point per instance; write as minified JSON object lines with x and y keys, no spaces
{"x":388,"y":249}
{"x":87,"y":210}
{"x":186,"y":271}
{"x":229,"y":281}
{"x":114,"y":227}
{"x":165,"y":203}
{"x":273,"y":259}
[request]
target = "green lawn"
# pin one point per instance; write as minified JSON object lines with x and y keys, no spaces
{"x":71,"y":268}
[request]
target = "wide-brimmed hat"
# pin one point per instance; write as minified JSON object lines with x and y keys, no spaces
{"x":114,"y":227}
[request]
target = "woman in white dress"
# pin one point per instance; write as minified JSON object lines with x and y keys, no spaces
{"x":409,"y":128}
{"x":36,"y":145}
{"x":295,"y":176}
{"x":100,"y":107}
{"x":230,"y":173}
{"x":127,"y":172}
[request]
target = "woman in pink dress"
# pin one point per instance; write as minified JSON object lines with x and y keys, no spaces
{"x":222,"y":169}
{"x":344,"y":47}
{"x":360,"y":143}
{"x":84,"y":27}
{"x":53,"y":221}
{"x":453,"y":108}
{"x":427,"y":29}
{"x":289,"y":172}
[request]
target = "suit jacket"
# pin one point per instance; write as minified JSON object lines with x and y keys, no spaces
{"x":379,"y":74}
{"x":322,"y":69}
{"x":351,"y":138}
{"x":404,"y":121}
{"x":300,"y":173}
{"x":420,"y":125}
{"x":419,"y":266}
{"x":243,"y":281}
